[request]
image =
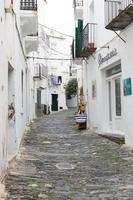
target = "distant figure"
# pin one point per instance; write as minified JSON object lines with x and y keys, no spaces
{"x":48,"y":110}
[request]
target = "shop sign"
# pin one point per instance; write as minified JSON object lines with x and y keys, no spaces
{"x":127,"y":86}
{"x":102,"y":59}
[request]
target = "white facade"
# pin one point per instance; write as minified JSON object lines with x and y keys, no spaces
{"x":58,"y":66}
{"x":54,"y":53}
{"x":40,"y":78}
{"x":15,"y":86}
{"x":108,"y":75}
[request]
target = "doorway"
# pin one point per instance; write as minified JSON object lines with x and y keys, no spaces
{"x":114,"y":97}
{"x":38,"y":99}
{"x":54,"y":102}
{"x":114,"y":101}
{"x":12,"y":138}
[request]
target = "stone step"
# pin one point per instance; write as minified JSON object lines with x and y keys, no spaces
{"x":117,"y":138}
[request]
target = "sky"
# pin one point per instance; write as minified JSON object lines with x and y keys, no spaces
{"x":59,"y":15}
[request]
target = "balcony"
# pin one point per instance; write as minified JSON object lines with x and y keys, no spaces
{"x":28,"y":17}
{"x":88,"y":40}
{"x":78,"y":3}
{"x":40,"y":71}
{"x":28,"y":5}
{"x":78,"y":8}
{"x":118,"y":14}
{"x":31,"y":44}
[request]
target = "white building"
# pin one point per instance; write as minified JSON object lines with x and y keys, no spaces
{"x":53,"y":55}
{"x":59,"y":68}
{"x":39,"y":69}
{"x":106,"y":49}
{"x":18,"y":36}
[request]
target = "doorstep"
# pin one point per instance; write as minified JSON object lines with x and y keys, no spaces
{"x":117,"y":138}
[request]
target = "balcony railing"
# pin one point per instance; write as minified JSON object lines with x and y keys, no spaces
{"x":40,"y":71}
{"x":88,"y":39}
{"x":118,"y":14}
{"x":78,"y":3}
{"x":28,"y":4}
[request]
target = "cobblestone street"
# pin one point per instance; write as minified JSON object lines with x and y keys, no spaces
{"x":59,"y":162}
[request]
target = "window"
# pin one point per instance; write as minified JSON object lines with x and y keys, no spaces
{"x":113,"y":71}
{"x":22,"y":85}
{"x":118,"y":96}
{"x":110,"y":102}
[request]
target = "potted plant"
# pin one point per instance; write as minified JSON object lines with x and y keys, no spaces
{"x":91,"y":45}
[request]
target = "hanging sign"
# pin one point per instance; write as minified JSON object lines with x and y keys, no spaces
{"x":127,"y":86}
{"x":102,"y":59}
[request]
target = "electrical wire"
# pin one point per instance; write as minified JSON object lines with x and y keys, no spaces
{"x":42,"y":58}
{"x":55,"y":30}
{"x":55,"y":49}
{"x":47,"y":45}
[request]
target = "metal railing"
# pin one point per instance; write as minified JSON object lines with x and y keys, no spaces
{"x":113,"y":8}
{"x":88,"y":36}
{"x":126,"y":3}
{"x":28,"y":4}
{"x":78,"y":3}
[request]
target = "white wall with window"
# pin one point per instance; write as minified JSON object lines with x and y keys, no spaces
{"x":110,"y":109}
{"x":12,"y":63}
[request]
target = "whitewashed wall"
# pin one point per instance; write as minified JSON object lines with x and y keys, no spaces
{"x":59,"y":67}
{"x":98,"y":106}
{"x":3,"y":94}
{"x":12,"y":63}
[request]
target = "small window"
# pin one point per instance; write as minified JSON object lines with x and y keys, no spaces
{"x":113,"y":71}
{"x":22,"y":85}
{"x":118,"y":96}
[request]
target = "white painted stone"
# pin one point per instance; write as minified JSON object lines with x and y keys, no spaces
{"x":65,"y":166}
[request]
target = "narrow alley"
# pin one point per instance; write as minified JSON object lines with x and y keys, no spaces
{"x":58,"y":162}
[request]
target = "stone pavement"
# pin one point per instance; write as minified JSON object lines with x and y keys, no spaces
{"x":59,"y":162}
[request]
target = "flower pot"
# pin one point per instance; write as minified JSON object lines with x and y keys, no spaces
{"x":91,"y":45}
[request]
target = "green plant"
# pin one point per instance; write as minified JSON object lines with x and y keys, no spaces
{"x":71,"y":88}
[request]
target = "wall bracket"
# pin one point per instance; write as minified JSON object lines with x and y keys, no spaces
{"x":119,"y":36}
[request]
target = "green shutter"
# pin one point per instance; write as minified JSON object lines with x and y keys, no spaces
{"x":80,"y":25}
{"x":78,"y":36}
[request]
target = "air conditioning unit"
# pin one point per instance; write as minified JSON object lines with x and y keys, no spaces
{"x":8,"y":5}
